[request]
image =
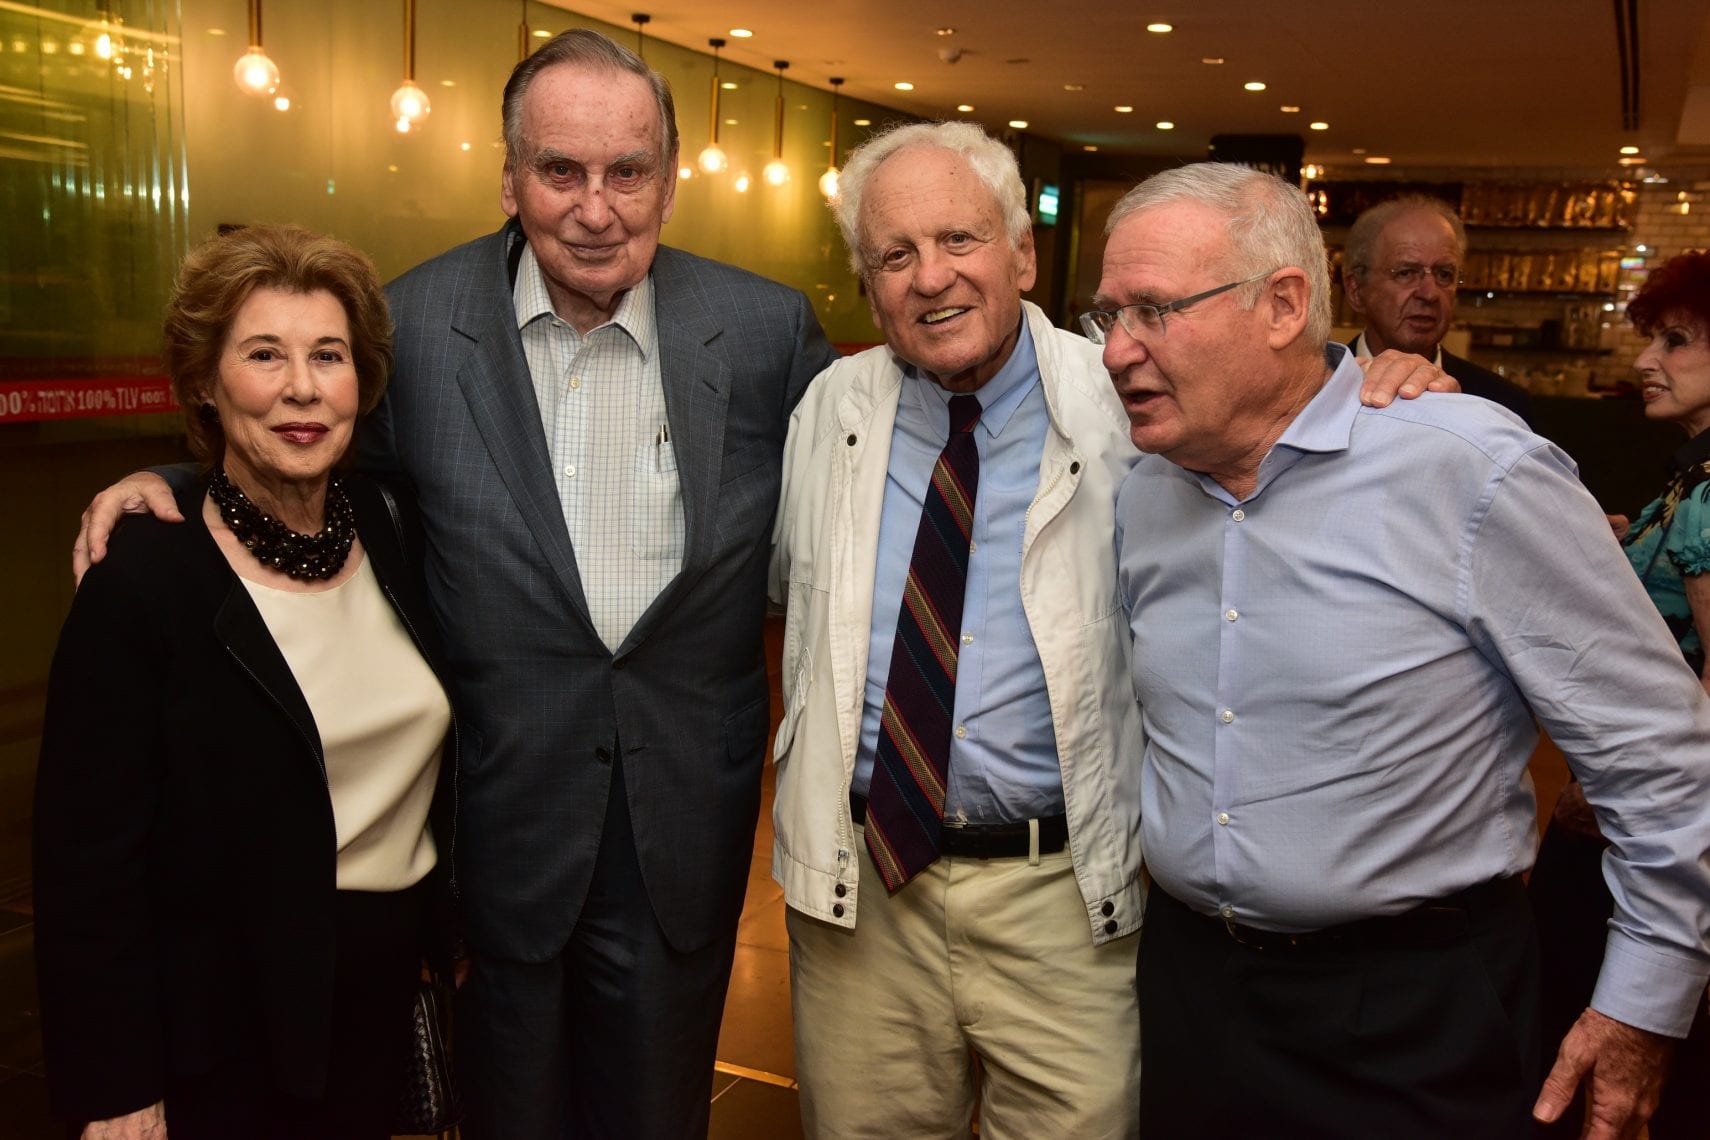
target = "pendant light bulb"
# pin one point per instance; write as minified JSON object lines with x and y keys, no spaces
{"x":254,"y":72}
{"x":777,"y":172}
{"x":410,"y":105}
{"x":713,"y":160}
{"x":828,"y":180}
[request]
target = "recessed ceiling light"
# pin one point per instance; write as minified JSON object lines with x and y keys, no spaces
{"x":1074,"y":86}
{"x":1018,"y":124}
{"x":1629,"y":150}
{"x":1290,"y":109}
{"x":1123,"y":109}
{"x":1359,"y":150}
{"x":216,"y":31}
{"x":448,"y":83}
{"x":1631,"y":160}
{"x":1213,"y":60}
{"x":964,"y":107}
{"x":463,"y":145}
{"x":1160,"y":29}
{"x":1376,"y":160}
{"x":1090,"y":148}
{"x":945,"y":32}
{"x":541,"y":34}
{"x":727,"y":85}
{"x":863,"y":122}
{"x":1253,"y":85}
{"x":1164,"y":125}
{"x":1319,"y":125}
{"x":741,"y":33}
{"x":903,"y":86}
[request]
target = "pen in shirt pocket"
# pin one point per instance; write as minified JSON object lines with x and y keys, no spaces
{"x":661,"y":440}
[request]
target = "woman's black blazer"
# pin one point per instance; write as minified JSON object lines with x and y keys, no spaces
{"x":184,"y":842}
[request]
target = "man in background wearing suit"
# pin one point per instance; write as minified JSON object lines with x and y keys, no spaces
{"x":593,"y":425}
{"x":1402,"y":265}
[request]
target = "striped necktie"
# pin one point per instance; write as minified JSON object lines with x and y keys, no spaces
{"x":905,"y":803}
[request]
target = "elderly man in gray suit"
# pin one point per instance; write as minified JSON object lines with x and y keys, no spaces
{"x":593,"y":425}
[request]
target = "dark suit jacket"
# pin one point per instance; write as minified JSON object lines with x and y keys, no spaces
{"x":543,"y":701}
{"x":1484,"y":383}
{"x":184,"y":842}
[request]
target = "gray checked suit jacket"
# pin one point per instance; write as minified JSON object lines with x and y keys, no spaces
{"x":541,"y":700}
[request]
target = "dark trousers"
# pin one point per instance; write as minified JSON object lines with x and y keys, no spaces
{"x":378,"y":962}
{"x":1357,"y":1040}
{"x":1573,"y":905}
{"x":616,"y":1037}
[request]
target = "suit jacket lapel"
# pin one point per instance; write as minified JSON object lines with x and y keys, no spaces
{"x":239,"y":627}
{"x":500,"y":393}
{"x":697,"y":396}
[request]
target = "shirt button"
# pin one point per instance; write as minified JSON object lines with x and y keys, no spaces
{"x":1226,"y":715}
{"x":840,"y":890}
{"x":1108,"y":909}
{"x":1227,"y":911}
{"x":967,"y":639}
{"x":972,"y":546}
{"x":1110,"y":927}
{"x":1223,"y":819}
{"x":575,"y":383}
{"x":837,"y":910}
{"x":1231,"y":614}
{"x":961,"y":732}
{"x":570,"y":470}
{"x":1238,"y":514}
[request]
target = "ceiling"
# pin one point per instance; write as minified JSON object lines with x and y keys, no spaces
{"x":1447,"y":83}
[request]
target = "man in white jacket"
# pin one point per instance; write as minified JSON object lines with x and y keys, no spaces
{"x":1016,"y":944}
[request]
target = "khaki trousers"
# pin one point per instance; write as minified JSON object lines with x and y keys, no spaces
{"x":973,"y":958}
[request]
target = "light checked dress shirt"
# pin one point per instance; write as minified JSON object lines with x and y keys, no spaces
{"x":602,"y":403}
{"x":1338,"y":674}
{"x":1003,"y":754}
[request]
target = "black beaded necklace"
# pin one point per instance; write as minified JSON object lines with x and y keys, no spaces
{"x":302,"y":556}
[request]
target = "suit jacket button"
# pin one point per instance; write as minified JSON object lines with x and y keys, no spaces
{"x":603,"y":755}
{"x":837,"y":910}
{"x":840,"y":890}
{"x":620,"y":663}
{"x":1110,"y":927}
{"x":1108,"y":909}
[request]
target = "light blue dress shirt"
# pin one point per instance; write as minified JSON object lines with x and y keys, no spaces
{"x":1338,"y":675}
{"x":1003,"y":757}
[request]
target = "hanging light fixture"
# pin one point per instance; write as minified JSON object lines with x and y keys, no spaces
{"x":641,"y":20}
{"x":255,"y":73}
{"x":777,"y":172}
{"x":828,"y":180}
{"x":713,"y":160}
{"x":522,"y":34}
{"x":409,"y":103}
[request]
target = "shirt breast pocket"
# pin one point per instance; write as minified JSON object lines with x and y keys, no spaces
{"x":656,"y":520}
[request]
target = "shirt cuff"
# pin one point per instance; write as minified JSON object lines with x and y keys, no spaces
{"x":1647,"y":988}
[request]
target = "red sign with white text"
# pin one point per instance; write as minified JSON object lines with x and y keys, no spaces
{"x":26,"y":400}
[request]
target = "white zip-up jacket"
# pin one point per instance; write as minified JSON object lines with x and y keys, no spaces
{"x":823,"y":565}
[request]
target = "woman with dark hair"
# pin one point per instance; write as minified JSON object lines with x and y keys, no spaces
{"x":1669,"y":548}
{"x":244,"y":739}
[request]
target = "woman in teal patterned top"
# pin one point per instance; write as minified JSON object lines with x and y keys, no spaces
{"x":1669,"y":543}
{"x":1669,"y":547}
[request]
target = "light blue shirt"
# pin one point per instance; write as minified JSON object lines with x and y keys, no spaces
{"x":1003,"y":756}
{"x":1338,"y":675}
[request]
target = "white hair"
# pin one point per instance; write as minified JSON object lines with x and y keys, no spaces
{"x":1269,"y":224}
{"x":990,"y":160}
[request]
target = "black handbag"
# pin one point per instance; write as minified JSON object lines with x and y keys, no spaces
{"x":428,"y":1102}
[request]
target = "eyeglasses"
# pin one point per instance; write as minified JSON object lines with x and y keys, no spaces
{"x":1408,"y":276}
{"x":1143,"y":318}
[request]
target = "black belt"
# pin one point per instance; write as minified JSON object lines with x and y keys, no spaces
{"x":988,"y":840}
{"x":1428,"y":924}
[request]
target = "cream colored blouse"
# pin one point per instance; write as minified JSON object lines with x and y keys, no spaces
{"x":382,"y":717}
